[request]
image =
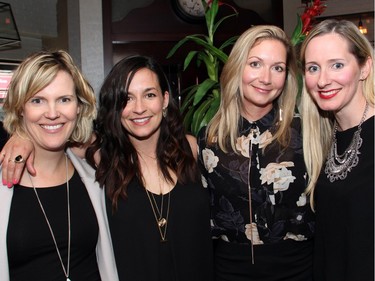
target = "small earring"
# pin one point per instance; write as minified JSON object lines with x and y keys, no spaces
{"x":164,"y":112}
{"x":280,"y":114}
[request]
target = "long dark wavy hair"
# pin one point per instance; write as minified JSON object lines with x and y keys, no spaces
{"x":119,"y":163}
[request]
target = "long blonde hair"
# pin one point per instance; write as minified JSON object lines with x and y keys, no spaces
{"x":224,"y":125}
{"x":317,"y":125}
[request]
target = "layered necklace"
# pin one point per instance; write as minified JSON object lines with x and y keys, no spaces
{"x":338,"y":166}
{"x":67,"y":268}
{"x":160,"y":214}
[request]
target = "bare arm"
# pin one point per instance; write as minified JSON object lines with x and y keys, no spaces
{"x":14,"y":147}
{"x":193,"y":145}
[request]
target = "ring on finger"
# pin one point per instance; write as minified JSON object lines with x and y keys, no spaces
{"x":18,"y":159}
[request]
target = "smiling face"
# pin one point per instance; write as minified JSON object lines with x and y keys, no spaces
{"x":264,"y":75}
{"x":143,"y":112}
{"x":50,"y":116}
{"x":333,"y":74}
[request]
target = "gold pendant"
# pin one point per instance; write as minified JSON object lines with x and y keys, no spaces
{"x":162,"y":222}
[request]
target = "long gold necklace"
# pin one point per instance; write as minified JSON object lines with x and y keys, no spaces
{"x":253,"y":134}
{"x":161,"y":222}
{"x":67,"y":269}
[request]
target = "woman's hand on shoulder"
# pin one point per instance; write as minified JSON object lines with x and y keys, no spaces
{"x":193,"y":145}
{"x":16,"y":147}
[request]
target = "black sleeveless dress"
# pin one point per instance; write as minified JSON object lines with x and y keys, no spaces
{"x":344,"y":238}
{"x":140,"y":254}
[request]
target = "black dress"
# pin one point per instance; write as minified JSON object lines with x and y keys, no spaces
{"x":140,"y":254}
{"x":344,"y":248}
{"x":31,"y":251}
{"x":283,"y":223}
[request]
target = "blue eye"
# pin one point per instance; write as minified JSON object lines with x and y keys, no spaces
{"x":312,"y":68}
{"x":337,"y":65}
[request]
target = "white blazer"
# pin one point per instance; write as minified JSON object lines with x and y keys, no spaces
{"x":104,"y":249}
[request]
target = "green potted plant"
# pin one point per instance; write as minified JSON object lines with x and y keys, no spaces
{"x":201,"y":101}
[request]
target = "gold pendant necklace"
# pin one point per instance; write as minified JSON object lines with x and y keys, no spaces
{"x":161,"y":222}
{"x":67,"y":269}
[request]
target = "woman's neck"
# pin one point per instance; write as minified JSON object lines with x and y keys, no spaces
{"x":254,"y":113}
{"x":52,"y":168}
{"x":352,"y":116}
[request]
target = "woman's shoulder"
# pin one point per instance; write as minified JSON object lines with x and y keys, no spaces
{"x":193,"y":144}
{"x":81,"y":165}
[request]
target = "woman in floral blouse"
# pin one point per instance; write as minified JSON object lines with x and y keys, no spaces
{"x":252,"y":162}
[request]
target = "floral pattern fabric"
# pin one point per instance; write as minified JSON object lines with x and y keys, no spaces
{"x":276,"y":178}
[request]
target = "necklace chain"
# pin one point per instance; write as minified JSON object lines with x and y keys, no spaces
{"x":67,"y":269}
{"x":161,"y":222}
{"x":338,"y":166}
{"x":253,"y":135}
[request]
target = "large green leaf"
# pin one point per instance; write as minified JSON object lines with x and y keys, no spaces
{"x":297,"y":33}
{"x":182,"y":42}
{"x":188,"y":58}
{"x":216,"y":26}
{"x":229,"y":42}
{"x":202,"y":89}
{"x":210,"y":112}
{"x":212,"y":49}
{"x":189,"y":98}
{"x":198,"y":116}
{"x":188,"y":118}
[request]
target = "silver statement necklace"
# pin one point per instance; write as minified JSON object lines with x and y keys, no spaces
{"x":66,"y":270}
{"x":338,"y":166}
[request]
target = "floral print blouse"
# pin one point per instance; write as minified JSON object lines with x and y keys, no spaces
{"x":276,"y":178}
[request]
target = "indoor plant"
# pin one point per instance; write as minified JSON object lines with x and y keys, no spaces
{"x":201,"y":101}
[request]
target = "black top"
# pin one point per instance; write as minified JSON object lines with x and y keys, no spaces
{"x":139,"y":253}
{"x":344,"y":248}
{"x":283,"y":223}
{"x":31,"y":250}
{"x":3,"y":135}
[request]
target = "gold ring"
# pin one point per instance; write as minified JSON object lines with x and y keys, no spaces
{"x":19,"y":159}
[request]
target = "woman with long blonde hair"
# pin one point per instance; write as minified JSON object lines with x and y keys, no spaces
{"x":252,"y":162}
{"x":338,"y":129}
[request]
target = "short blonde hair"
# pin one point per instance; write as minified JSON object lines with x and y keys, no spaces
{"x":34,"y":74}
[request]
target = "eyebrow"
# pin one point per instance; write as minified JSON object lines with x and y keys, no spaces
{"x":256,"y":57}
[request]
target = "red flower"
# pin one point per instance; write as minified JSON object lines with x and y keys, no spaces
{"x":312,"y":9}
{"x":220,"y":3}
